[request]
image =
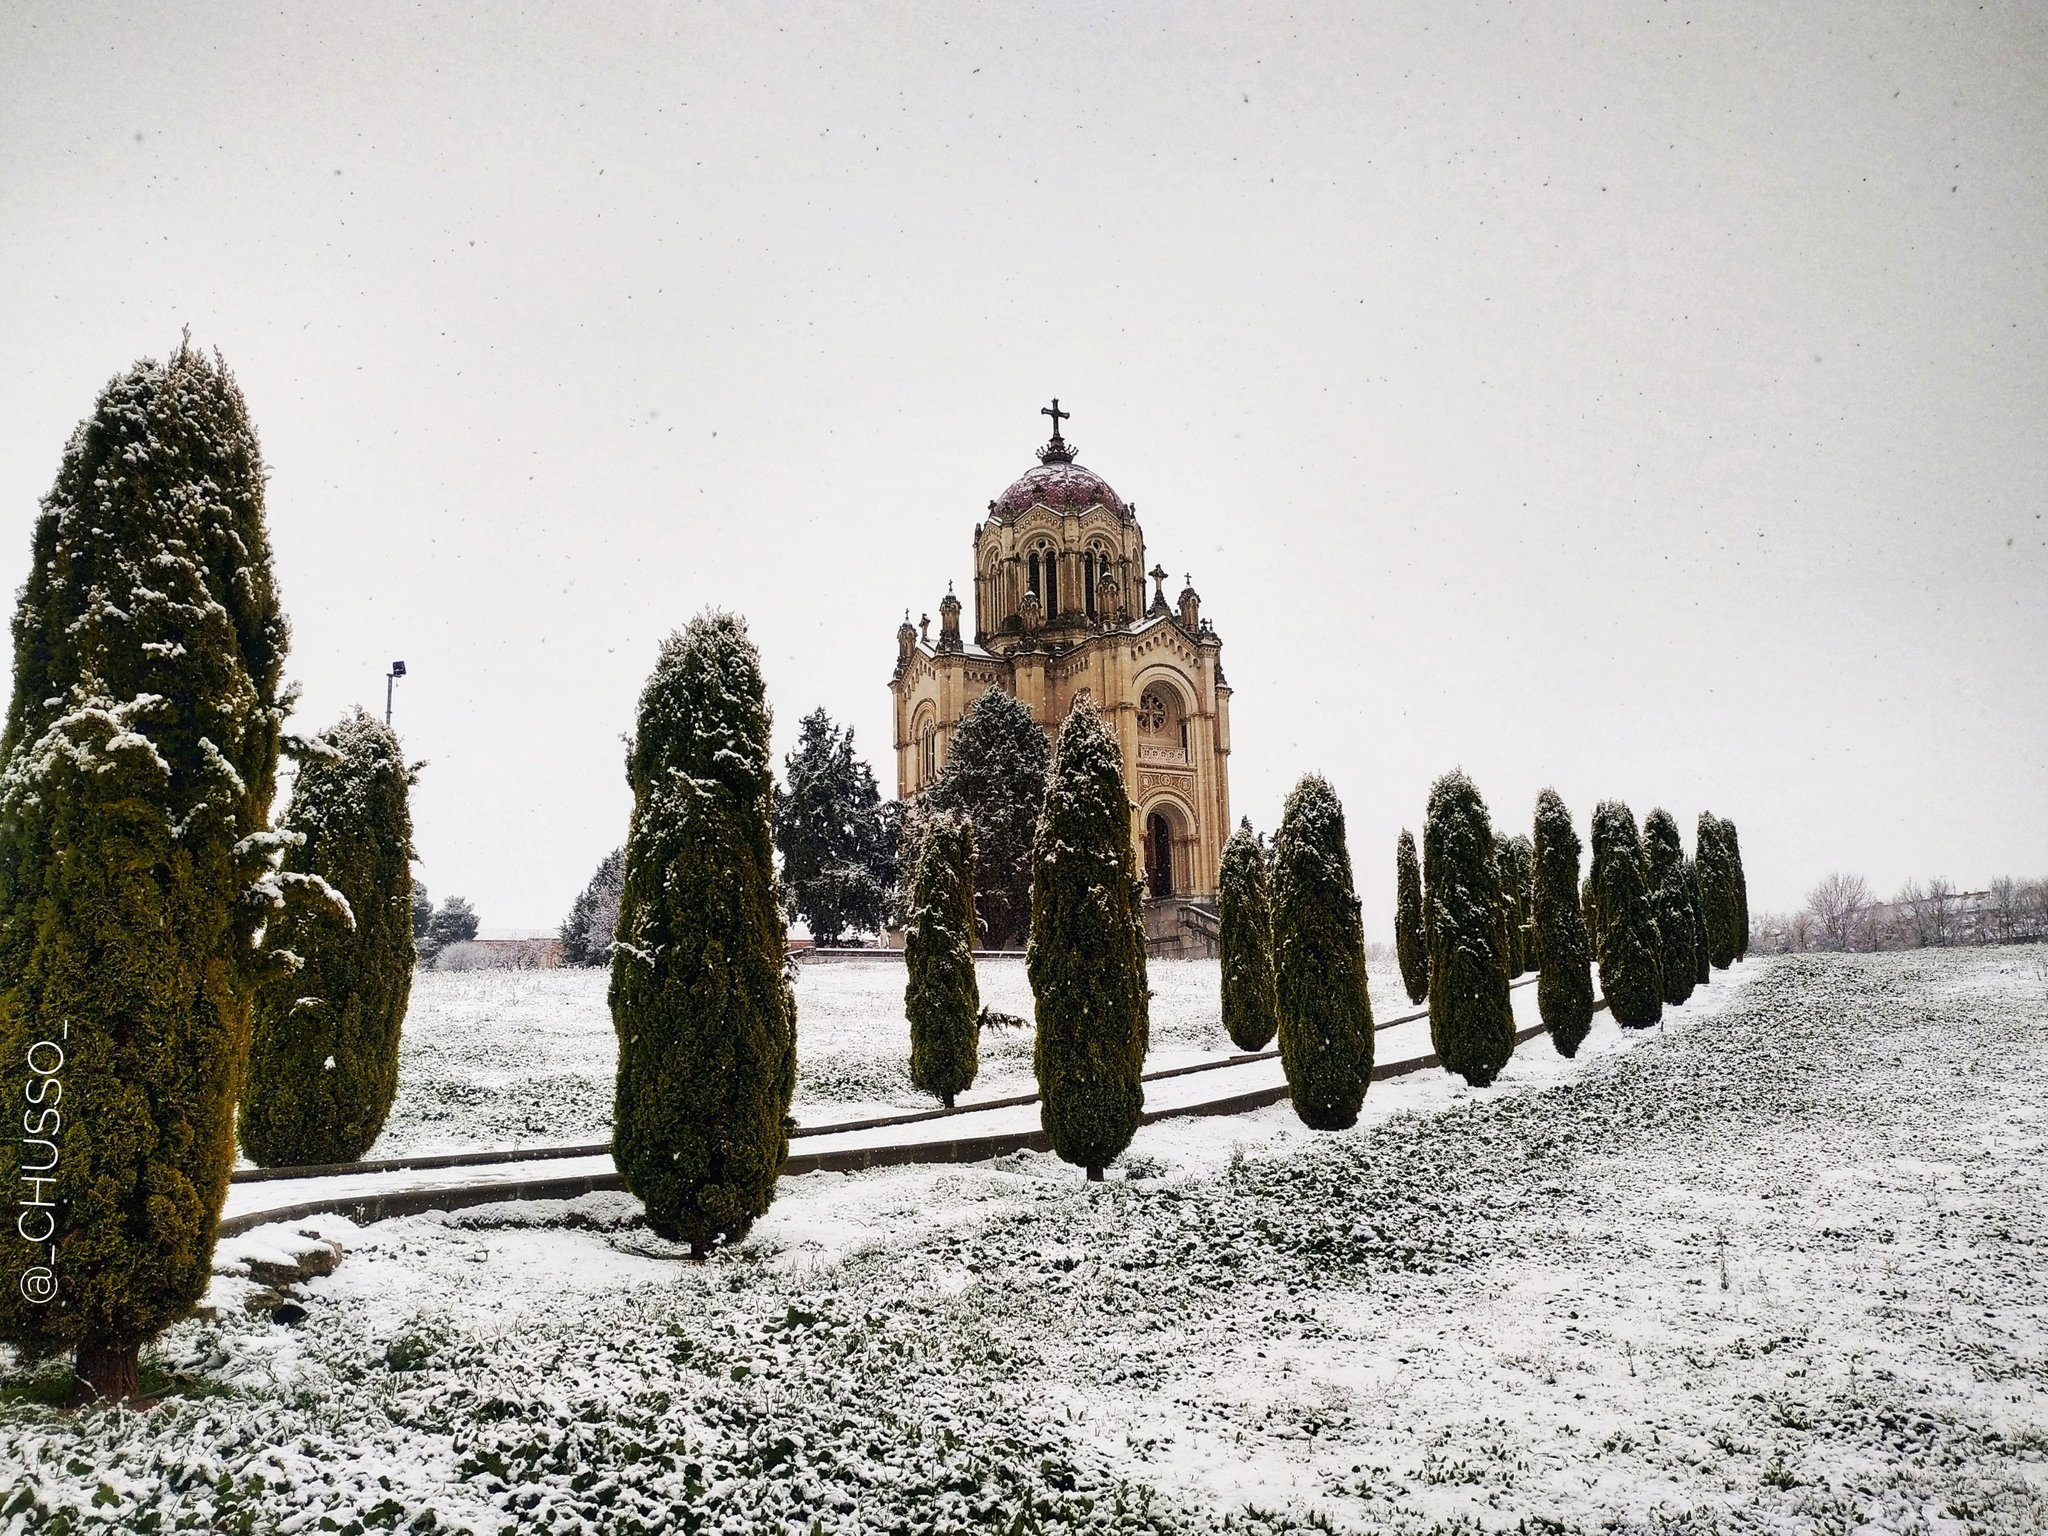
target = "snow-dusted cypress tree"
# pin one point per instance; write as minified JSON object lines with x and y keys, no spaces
{"x":699,"y":992}
{"x":1589,"y":908}
{"x":1325,"y":1008}
{"x":942,"y":999}
{"x":1471,"y":1020}
{"x":1411,"y":947}
{"x":1087,"y":955}
{"x":1504,"y":905}
{"x":1666,"y":853}
{"x":1564,"y":985}
{"x":1245,"y":900}
{"x":136,"y":865}
{"x":1703,"y":971}
{"x":1718,"y":891}
{"x":1326,"y":1030}
{"x":1521,"y":873}
{"x":1733,"y":842}
{"x":323,"y":1061}
{"x":1631,"y":968}
{"x":995,"y":777}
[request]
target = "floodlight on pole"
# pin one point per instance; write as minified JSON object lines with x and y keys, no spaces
{"x":397,"y":671}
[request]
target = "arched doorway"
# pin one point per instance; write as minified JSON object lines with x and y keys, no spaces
{"x":1158,"y":855}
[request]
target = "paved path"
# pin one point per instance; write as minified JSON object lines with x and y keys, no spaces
{"x":969,"y":1133}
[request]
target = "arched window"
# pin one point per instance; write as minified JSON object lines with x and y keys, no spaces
{"x":1094,"y":566}
{"x":1049,"y":573}
{"x":924,"y":737}
{"x":1162,"y":726}
{"x":1032,"y":566}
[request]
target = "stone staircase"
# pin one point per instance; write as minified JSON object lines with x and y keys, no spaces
{"x":1181,"y":928}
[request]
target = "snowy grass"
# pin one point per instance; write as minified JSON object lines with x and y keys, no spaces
{"x":1773,"y":1268}
{"x":494,"y":1059}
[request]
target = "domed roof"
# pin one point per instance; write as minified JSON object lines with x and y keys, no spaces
{"x":1061,"y":485}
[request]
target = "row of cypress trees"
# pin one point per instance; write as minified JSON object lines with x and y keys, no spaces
{"x":1292,"y":952}
{"x":1663,"y":923}
{"x":164,"y":950}
{"x":1480,"y":907}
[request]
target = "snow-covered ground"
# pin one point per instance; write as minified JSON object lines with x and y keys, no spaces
{"x":493,"y":1059}
{"x":1774,"y":1267}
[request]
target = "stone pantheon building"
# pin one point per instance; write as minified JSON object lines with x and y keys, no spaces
{"x":1060,"y":612}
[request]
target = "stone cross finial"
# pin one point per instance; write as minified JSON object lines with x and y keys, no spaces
{"x":1158,"y":575}
{"x":1057,"y":416}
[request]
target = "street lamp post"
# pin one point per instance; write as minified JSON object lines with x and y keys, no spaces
{"x":397,"y":671}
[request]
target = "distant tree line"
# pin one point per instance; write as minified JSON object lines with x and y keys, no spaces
{"x":1842,"y":914}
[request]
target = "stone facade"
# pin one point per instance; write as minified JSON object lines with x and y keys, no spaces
{"x":1060,"y":612}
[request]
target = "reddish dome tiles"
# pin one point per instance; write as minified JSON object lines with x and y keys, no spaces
{"x":1063,"y":487}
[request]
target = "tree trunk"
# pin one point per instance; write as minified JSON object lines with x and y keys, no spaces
{"x":109,"y":1371}
{"x":947,"y":1100}
{"x":699,"y":1252}
{"x":1094,"y":1175}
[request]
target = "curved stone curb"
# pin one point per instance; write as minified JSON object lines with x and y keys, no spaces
{"x":835,"y":1128}
{"x":384,"y":1206}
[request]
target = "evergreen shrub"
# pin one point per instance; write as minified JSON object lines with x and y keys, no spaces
{"x":1564,"y":958}
{"x":1087,"y":957}
{"x":1665,"y":850}
{"x":1471,"y":1019}
{"x":1703,"y":971}
{"x":1326,"y":1030}
{"x":700,"y":992}
{"x":1718,"y":891}
{"x":942,"y":999}
{"x":1411,"y":946}
{"x":137,"y":864}
{"x":323,"y":1059}
{"x":1245,"y":946}
{"x":1631,"y":965}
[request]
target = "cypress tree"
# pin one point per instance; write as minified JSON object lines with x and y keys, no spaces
{"x":1087,"y":956}
{"x":1564,"y":986}
{"x":1522,"y":893}
{"x":942,"y":999}
{"x":1504,"y":905}
{"x":1733,"y":842}
{"x":136,"y":865}
{"x":1410,"y":945}
{"x":1631,"y":966}
{"x":1665,"y":851}
{"x":699,"y":992}
{"x":1717,"y":891}
{"x":1703,"y":972}
{"x":1589,"y":908}
{"x":1326,"y":1032}
{"x":1471,"y":1020}
{"x":1245,"y":947}
{"x":323,"y":1059}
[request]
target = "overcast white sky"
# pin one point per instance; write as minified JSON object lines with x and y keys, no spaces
{"x":1647,"y":400}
